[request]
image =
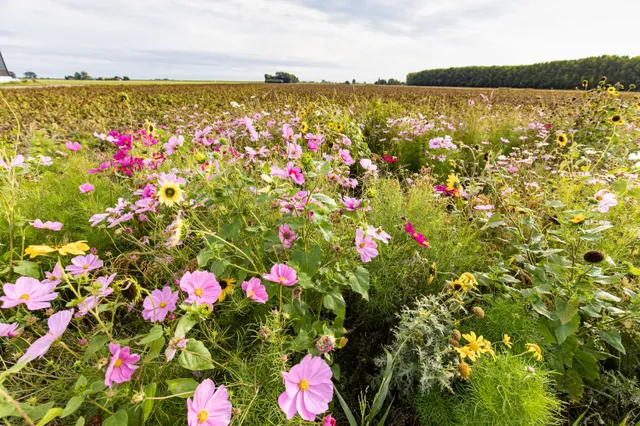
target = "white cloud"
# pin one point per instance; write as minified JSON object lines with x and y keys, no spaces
{"x":315,"y":39}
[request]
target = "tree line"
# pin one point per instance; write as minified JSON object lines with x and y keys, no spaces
{"x":566,"y":74}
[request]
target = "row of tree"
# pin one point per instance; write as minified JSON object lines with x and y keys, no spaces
{"x":281,"y":77}
{"x":390,"y":82}
{"x":548,"y":75}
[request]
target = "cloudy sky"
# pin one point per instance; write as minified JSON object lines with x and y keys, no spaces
{"x":334,"y":40}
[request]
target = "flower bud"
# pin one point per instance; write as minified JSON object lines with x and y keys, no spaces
{"x":478,"y":311}
{"x":456,"y":335}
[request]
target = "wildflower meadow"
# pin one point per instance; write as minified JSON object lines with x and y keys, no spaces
{"x":216,"y":255}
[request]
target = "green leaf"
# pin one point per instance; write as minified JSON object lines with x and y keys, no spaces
{"x":178,"y":386}
{"x":494,"y":222}
{"x":147,"y":405}
{"x":335,"y":302}
{"x":218,"y":267}
{"x":345,"y":408}
{"x":556,"y":204}
{"x":308,"y":262}
{"x":72,"y":406}
{"x":155,"y":333}
{"x":632,"y":269}
{"x":6,"y":409}
{"x":81,"y":384}
{"x":565,"y":311}
{"x":80,"y":421}
{"x":39,"y":411}
{"x":620,"y":186}
{"x":565,"y":330}
{"x":27,"y":268}
{"x":231,"y":230}
{"x":204,"y":257}
{"x":586,"y":365}
{"x":120,"y":418}
{"x":572,"y":384}
{"x":155,"y":349}
{"x":614,"y":339}
{"x":359,"y":281}
{"x":95,"y":344}
{"x":196,"y":356}
{"x":185,"y":324}
{"x":51,"y":414}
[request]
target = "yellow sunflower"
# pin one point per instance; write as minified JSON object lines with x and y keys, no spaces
{"x":303,"y":113}
{"x":452,"y":182}
{"x":170,"y":193}
{"x":562,"y":139}
{"x":612,"y":91}
{"x":304,"y":127}
{"x":339,"y":127}
{"x":227,"y":285}
{"x":617,"y":120}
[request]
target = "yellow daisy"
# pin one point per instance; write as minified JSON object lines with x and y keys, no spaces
{"x":577,"y":218}
{"x":466,"y":352}
{"x":170,"y":193}
{"x":227,"y":285}
{"x":562,"y":139}
{"x":507,"y":340}
{"x":476,"y":344}
{"x":535,"y":351}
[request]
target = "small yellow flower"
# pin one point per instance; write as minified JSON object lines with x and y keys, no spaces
{"x":432,"y":272}
{"x":303,"y":113}
{"x":304,"y":127}
{"x":617,"y":120}
{"x":466,"y":352}
{"x":464,"y":370}
{"x":469,"y":280}
{"x":170,"y":193}
{"x":489,"y":349}
{"x":535,"y":351}
{"x":506,"y":339}
{"x":476,"y":344}
{"x":77,"y":248}
{"x":339,"y":127}
{"x":577,"y":218}
{"x":227,"y":285}
{"x":612,"y":91}
{"x":342,"y":342}
{"x":452,"y":182}
{"x":34,"y":251}
{"x":562,"y":139}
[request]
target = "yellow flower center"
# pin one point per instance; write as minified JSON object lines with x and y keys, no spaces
{"x":202,"y":416}
{"x":163,"y":304}
{"x":252,"y":293}
{"x":474,"y":346}
{"x":25,"y":297}
{"x":118,"y":363}
{"x":198,"y":292}
{"x":415,"y":234}
{"x":303,"y":385}
{"x":282,"y":279}
{"x":85,"y":266}
{"x":599,"y":198}
{"x":361,"y":245}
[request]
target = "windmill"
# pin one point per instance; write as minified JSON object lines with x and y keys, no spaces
{"x":4,"y":72}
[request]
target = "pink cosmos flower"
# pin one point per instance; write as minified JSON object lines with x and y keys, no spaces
{"x":86,"y":187}
{"x":54,"y":276}
{"x":52,"y":226}
{"x":292,"y":171}
{"x":29,"y":291}
{"x":159,"y":304}
{"x":209,"y":407}
{"x":365,"y":246}
{"x":58,"y":324}
{"x":345,"y":155}
{"x":294,"y":151}
{"x":73,"y":146}
{"x":255,"y":290}
{"x":122,"y":366}
{"x":104,"y":166}
{"x":97,"y":294}
{"x":282,"y":274}
{"x":605,"y":201}
{"x":308,"y":389}
{"x":172,"y":144}
{"x":286,"y":235}
{"x":83,"y":264}
{"x":369,"y":166}
{"x":351,"y":204}
{"x":419,"y":238}
{"x":329,"y":421}
{"x":378,"y":234}
{"x":201,"y":286}
{"x":8,"y":330}
{"x":177,"y":342}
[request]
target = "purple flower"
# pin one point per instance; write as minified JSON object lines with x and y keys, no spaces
{"x":52,"y":226}
{"x":159,"y":304}
{"x":365,"y":246}
{"x":58,"y":324}
{"x":29,"y":291}
{"x":122,"y":366}
{"x":282,"y":274}
{"x":83,"y":264}
{"x":172,"y":144}
{"x":97,"y":294}
{"x":292,"y":171}
{"x":378,"y":234}
{"x":86,"y":188}
{"x":345,"y":155}
{"x":73,"y":146}
{"x":351,"y":204}
{"x":286,"y":235}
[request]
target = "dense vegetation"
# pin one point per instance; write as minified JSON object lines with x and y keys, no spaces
{"x":407,"y":256}
{"x":548,"y":75}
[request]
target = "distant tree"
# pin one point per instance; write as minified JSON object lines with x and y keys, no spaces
{"x":12,"y":74}
{"x":125,"y":78}
{"x":394,"y":82}
{"x":286,"y":77}
{"x":353,"y":81}
{"x":381,"y":81}
{"x":347,"y":82}
{"x":30,"y":74}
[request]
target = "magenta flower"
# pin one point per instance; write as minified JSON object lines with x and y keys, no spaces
{"x":255,"y":290}
{"x":292,"y":171}
{"x":308,"y":389}
{"x":58,"y":324}
{"x":345,"y":155}
{"x":159,"y":304}
{"x":378,"y":234}
{"x":73,"y":146}
{"x":8,"y":330}
{"x":83,"y":264}
{"x":351,"y":204}
{"x":54,"y":276}
{"x":29,"y":291}
{"x":209,"y":407}
{"x":328,"y":421}
{"x":122,"y":366}
{"x":86,"y":187}
{"x":52,"y":226}
{"x":365,"y":246}
{"x":419,"y":238}
{"x":282,"y":274}
{"x":286,"y":235}
{"x":201,"y":286}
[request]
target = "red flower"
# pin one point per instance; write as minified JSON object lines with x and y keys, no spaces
{"x":419,"y":238}
{"x":388,"y":159}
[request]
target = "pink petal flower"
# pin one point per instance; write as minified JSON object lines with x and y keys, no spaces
{"x":365,"y":246}
{"x":86,"y":188}
{"x":308,"y":389}
{"x":34,"y":294}
{"x":73,"y":146}
{"x":158,"y":305}
{"x":8,"y":330}
{"x":255,"y":290}
{"x":282,"y":274}
{"x":58,"y":324}
{"x":83,"y":264}
{"x":210,"y":406}
{"x":121,"y":366}
{"x":52,"y":226}
{"x":202,"y":287}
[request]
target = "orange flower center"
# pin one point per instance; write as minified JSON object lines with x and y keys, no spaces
{"x":599,"y":198}
{"x":252,"y":293}
{"x":303,"y":385}
{"x":85,"y":266}
{"x":361,"y":245}
{"x":25,"y":297}
{"x":163,"y":304}
{"x":118,"y":363}
{"x":198,"y":292}
{"x":282,"y":279}
{"x":202,"y":416}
